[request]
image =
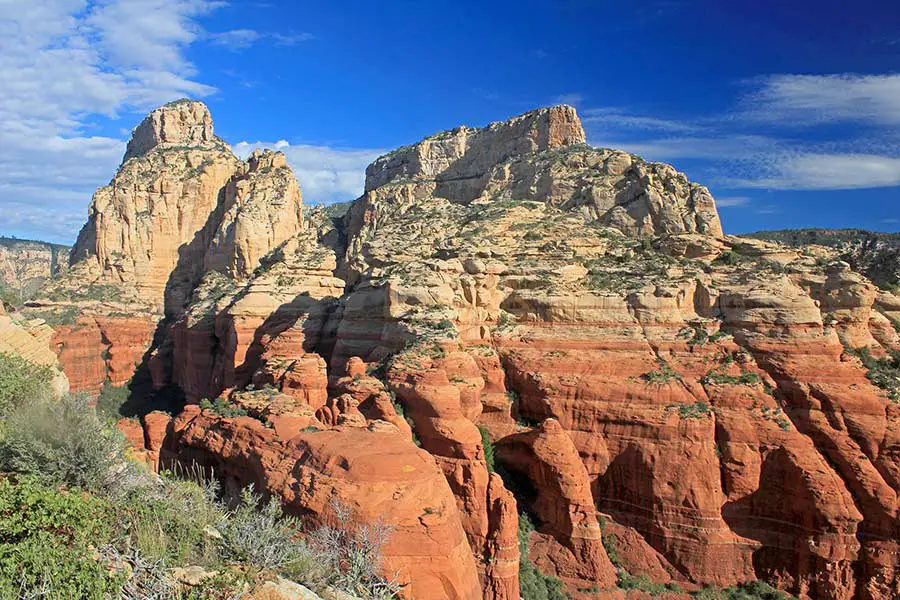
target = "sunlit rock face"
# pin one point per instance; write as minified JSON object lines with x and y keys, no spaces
{"x":508,"y":300}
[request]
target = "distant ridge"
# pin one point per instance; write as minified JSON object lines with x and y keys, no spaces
{"x":875,"y":254}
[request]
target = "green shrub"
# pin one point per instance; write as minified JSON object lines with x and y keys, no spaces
{"x":534,"y":585}
{"x":170,"y":521}
{"x":46,"y":539}
{"x":258,"y":533}
{"x":697,"y":410}
{"x":20,"y":381}
{"x":351,"y":555}
{"x":610,"y":542}
{"x":730,"y":258}
{"x":488,"y":448}
{"x":756,"y":590}
{"x":882,"y":372}
{"x":663,"y":376}
{"x":63,"y":442}
{"x":223,"y":407}
{"x":716,"y":378}
{"x":111,"y":399}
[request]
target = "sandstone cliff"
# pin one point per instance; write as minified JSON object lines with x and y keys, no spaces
{"x":507,"y":294}
{"x":25,"y":265}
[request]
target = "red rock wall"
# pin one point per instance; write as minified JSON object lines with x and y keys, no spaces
{"x":99,"y":349}
{"x":381,"y":476}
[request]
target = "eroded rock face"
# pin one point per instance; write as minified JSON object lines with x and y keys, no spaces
{"x":380,"y":475}
{"x":26,"y":265}
{"x":696,"y":388}
{"x":542,"y":156}
{"x":182,"y":204}
{"x":180,"y":123}
{"x":572,"y":547}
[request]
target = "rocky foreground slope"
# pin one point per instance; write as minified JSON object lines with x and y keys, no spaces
{"x":661,"y":399}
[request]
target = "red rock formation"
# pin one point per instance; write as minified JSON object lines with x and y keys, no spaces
{"x":698,"y":384}
{"x":381,"y":476}
{"x":563,"y":505}
{"x":432,"y":392}
{"x":99,"y":349}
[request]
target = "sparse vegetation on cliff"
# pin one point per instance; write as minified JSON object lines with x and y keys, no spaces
{"x":533,"y":584}
{"x":882,"y":372}
{"x":80,"y":519}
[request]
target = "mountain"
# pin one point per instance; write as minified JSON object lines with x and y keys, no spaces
{"x":508,"y":327}
{"x":25,"y":265}
{"x":875,"y":255}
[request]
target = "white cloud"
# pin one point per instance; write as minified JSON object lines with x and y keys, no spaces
{"x":815,"y":99}
{"x":617,"y":119}
{"x":828,"y":172}
{"x":756,"y":144}
{"x":724,"y":147}
{"x":732,"y":201}
{"x":241,"y":39}
{"x":325,"y":174}
{"x":236,"y":39}
{"x":62,"y":63}
{"x":291,"y":39}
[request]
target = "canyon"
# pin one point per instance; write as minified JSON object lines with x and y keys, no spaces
{"x":508,"y":323}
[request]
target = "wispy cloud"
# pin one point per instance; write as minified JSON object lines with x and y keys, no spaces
{"x":805,"y":100}
{"x":325,"y":174}
{"x":241,"y":39}
{"x":618,"y":118}
{"x":291,"y":39}
{"x":756,"y":144}
{"x":732,"y":201}
{"x":236,"y":39}
{"x":827,"y":172}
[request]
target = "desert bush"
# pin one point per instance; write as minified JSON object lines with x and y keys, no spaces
{"x":46,"y":538}
{"x":756,"y":590}
{"x":882,"y":372}
{"x":257,"y":532}
{"x":534,"y":585}
{"x":223,"y":407}
{"x":352,"y":554}
{"x":63,"y":441}
{"x":110,"y":400}
{"x":663,"y":376}
{"x":20,"y":381}
{"x":697,"y":410}
{"x":488,"y":448}
{"x":172,"y":521}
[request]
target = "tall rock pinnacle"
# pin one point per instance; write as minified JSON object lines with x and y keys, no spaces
{"x":183,"y":122}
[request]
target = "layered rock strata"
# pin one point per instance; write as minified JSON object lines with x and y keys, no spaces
{"x":580,"y":306}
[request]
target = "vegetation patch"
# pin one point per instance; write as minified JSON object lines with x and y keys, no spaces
{"x":78,"y":519}
{"x":534,"y":585}
{"x":697,"y":410}
{"x":662,"y":376}
{"x":223,"y":407}
{"x":882,"y":372}
{"x":488,"y":448}
{"x":718,"y":378}
{"x":756,"y":590}
{"x":20,"y":381}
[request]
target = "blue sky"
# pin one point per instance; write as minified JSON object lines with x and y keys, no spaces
{"x":788,"y":111}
